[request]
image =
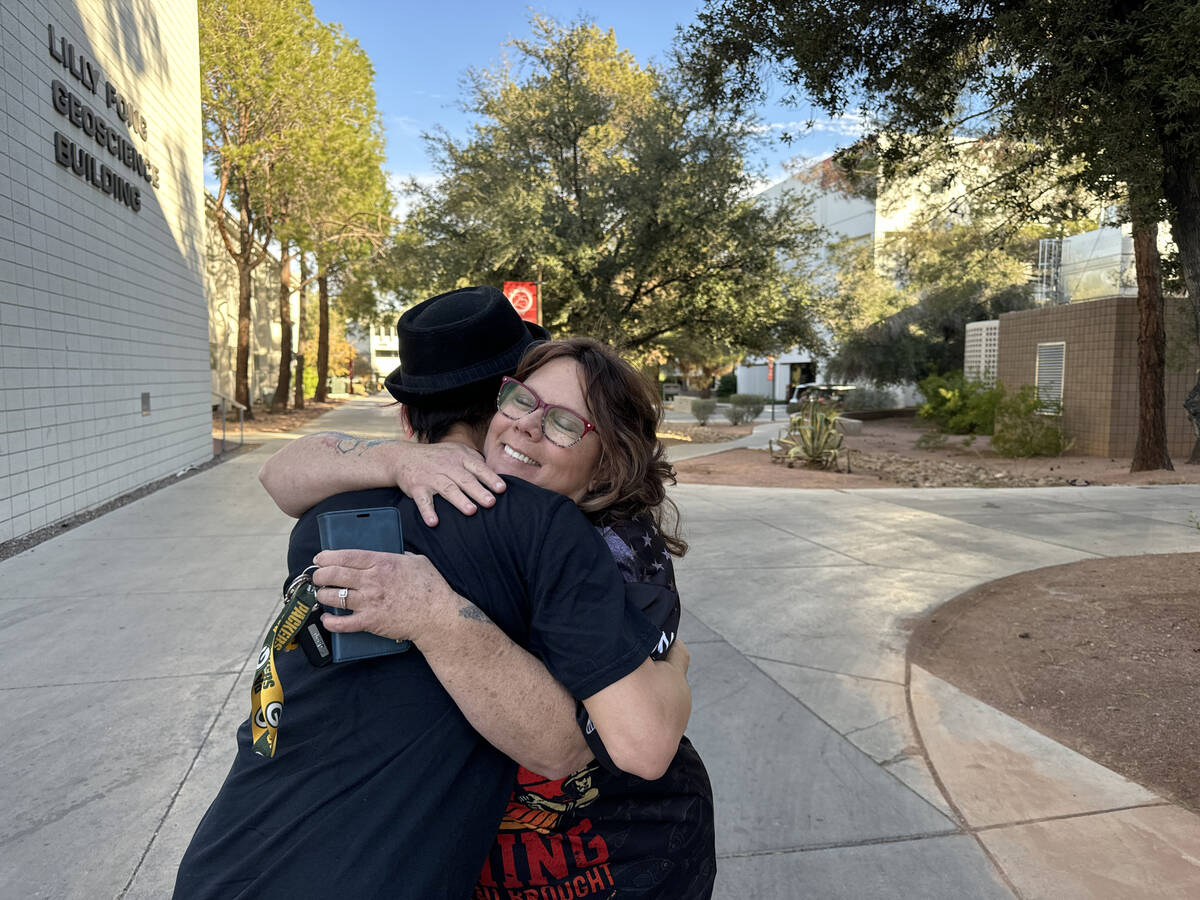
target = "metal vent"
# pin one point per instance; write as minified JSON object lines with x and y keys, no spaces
{"x":1051,"y":368}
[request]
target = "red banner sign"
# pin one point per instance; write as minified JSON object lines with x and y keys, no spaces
{"x":523,"y":295}
{"x":770,"y":368}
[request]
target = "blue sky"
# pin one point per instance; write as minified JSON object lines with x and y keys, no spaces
{"x":422,"y":50}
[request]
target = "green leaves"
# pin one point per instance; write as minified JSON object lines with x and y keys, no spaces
{"x":611,"y":184}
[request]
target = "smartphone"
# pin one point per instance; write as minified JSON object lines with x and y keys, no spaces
{"x":377,"y":528}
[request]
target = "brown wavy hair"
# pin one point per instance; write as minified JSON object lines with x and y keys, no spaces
{"x":632,"y":474}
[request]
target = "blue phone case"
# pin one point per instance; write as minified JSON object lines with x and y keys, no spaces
{"x":377,"y":528}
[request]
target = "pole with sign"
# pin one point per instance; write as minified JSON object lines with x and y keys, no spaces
{"x":771,"y":383}
{"x":523,"y":295}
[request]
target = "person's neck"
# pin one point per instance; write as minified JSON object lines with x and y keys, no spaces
{"x":463,"y":434}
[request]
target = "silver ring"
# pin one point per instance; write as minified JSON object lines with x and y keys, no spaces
{"x":342,"y":594}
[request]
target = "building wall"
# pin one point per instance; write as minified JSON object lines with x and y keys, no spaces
{"x":384,"y":348}
{"x":221,"y":287}
{"x":101,"y":294}
{"x":1100,"y":387}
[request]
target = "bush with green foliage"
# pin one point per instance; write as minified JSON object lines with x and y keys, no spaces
{"x":727,"y":384}
{"x":744,"y":408}
{"x":1024,"y":428}
{"x":959,"y":406}
{"x":870,"y":398}
{"x":812,"y":438}
{"x":702,"y":409}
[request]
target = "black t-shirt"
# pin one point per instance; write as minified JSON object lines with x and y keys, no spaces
{"x":602,"y":832}
{"x":379,"y":786}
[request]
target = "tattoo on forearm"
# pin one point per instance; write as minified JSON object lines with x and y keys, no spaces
{"x":473,"y":612}
{"x":348,"y":443}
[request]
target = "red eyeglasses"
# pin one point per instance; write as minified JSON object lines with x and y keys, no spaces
{"x":561,"y":426}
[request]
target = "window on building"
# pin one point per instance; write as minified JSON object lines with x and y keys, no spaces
{"x":392,"y":353}
{"x":1051,"y":368}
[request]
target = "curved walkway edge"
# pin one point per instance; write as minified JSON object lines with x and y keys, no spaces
{"x":878,"y":779}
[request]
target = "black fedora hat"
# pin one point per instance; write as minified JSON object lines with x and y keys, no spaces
{"x":456,"y":339}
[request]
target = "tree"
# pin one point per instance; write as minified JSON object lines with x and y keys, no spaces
{"x":350,"y":219}
{"x":1109,"y":91}
{"x":615,"y":188}
{"x":910,"y":321}
{"x":699,"y":359}
{"x":340,"y":349}
{"x":337,"y":202}
{"x":252,"y":60}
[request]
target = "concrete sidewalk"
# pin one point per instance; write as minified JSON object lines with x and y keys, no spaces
{"x":839,"y":771}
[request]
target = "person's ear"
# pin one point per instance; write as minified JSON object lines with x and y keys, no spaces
{"x":404,"y":423}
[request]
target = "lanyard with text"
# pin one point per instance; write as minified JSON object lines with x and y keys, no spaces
{"x":266,"y":692}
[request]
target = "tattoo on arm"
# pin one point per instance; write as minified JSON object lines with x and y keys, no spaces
{"x":473,"y":612}
{"x":347,"y":443}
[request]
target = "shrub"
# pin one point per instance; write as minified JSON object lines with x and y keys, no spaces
{"x":727,"y":384}
{"x":870,"y":398}
{"x":744,"y":408}
{"x":1022,"y":430}
{"x":812,"y":437}
{"x":702,"y":409}
{"x":959,"y":406}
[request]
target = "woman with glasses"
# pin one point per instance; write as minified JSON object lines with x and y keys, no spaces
{"x":578,"y":420}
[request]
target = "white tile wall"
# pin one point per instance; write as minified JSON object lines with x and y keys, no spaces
{"x":98,"y":303}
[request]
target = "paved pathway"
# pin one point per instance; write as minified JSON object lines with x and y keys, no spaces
{"x":839,"y":771}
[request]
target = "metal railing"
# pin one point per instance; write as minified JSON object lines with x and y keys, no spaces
{"x":223,"y":401}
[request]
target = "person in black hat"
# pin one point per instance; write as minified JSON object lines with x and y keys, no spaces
{"x":578,"y":419}
{"x":454,"y":348}
{"x":379,"y":785}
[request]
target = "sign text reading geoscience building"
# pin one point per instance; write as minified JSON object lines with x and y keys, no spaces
{"x":98,"y":153}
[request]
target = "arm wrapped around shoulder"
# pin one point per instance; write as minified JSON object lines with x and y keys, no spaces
{"x":642,"y":717}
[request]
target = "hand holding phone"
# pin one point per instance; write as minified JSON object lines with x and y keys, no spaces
{"x":378,"y":529}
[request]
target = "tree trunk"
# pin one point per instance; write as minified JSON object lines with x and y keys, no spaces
{"x":1150,"y":451}
{"x":322,"y":393}
{"x":284,"y":386}
{"x":241,"y":390}
{"x":298,"y":403}
{"x":1181,"y":188}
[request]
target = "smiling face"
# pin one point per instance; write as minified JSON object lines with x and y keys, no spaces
{"x":518,"y":447}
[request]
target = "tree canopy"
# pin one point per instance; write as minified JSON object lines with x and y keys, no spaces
{"x":296,"y":145}
{"x":1107,"y":93}
{"x":909,"y":321}
{"x":613,"y":186}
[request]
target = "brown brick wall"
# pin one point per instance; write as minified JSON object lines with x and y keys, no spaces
{"x":1100,"y":397}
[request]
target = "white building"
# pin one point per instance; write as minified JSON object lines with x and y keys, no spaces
{"x":384,"y":350}
{"x":981,"y":351}
{"x":104,"y":362}
{"x":844,"y":214}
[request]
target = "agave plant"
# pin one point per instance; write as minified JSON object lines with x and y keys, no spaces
{"x":812,"y":438}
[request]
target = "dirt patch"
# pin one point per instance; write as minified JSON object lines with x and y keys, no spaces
{"x":677,"y":433}
{"x":266,"y":421}
{"x":753,"y":468}
{"x":895,"y":442}
{"x":886,"y":455}
{"x":1101,"y":655}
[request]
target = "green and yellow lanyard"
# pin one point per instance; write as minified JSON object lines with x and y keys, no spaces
{"x":266,"y":692}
